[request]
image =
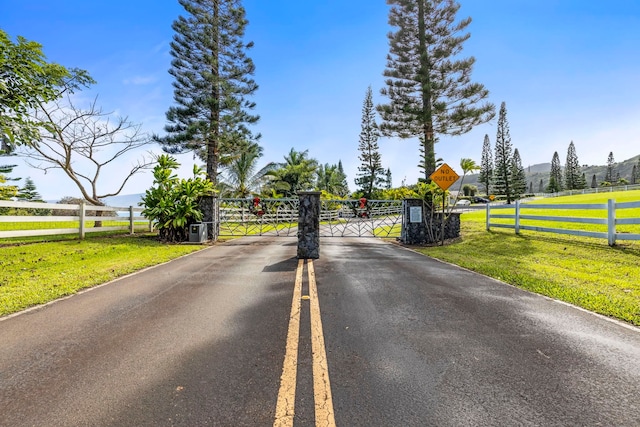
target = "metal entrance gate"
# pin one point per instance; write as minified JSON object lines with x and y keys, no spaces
{"x":279,"y":217}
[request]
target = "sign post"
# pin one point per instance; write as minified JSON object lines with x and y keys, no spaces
{"x":418,"y":228}
{"x":444,"y":176}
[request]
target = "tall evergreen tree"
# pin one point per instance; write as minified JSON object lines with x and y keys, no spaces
{"x":610,"y":174}
{"x":388,"y":180}
{"x":541,"y":186}
{"x":594,"y":183}
{"x":486,"y":165}
{"x":572,"y":176}
{"x":428,"y":82}
{"x":634,"y":175}
{"x":28,"y":192}
{"x":503,"y":169}
{"x":371,"y":173}
{"x":518,"y":177}
{"x":555,"y":176}
{"x":212,"y":82}
{"x":343,"y":183}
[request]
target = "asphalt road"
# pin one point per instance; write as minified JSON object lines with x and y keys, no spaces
{"x":409,"y":341}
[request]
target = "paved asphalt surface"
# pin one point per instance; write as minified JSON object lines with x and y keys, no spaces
{"x":409,"y":341}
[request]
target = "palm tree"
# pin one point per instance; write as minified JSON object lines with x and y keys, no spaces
{"x":331,"y":179}
{"x":295,"y":174}
{"x":240,"y":176}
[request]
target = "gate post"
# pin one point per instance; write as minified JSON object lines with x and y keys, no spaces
{"x":421,"y":224}
{"x":309,"y":225}
{"x":414,"y":227}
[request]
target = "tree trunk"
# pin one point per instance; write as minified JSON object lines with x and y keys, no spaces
{"x":98,"y":223}
{"x":425,"y":77}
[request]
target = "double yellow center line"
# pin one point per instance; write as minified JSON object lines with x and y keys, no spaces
{"x":285,"y":407}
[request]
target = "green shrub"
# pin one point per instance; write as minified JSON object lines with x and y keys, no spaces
{"x":172,"y":203}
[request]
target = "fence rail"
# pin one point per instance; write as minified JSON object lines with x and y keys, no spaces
{"x":608,"y":220}
{"x":32,"y":215}
{"x":596,"y":190}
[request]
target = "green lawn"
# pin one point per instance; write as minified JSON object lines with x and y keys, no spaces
{"x":32,"y":274}
{"x":600,"y":198}
{"x":578,"y":270}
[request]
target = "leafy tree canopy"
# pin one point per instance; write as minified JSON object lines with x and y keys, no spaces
{"x":27,"y":81}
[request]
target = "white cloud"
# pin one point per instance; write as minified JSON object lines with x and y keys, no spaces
{"x":141,"y":80}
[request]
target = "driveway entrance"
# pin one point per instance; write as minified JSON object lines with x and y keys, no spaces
{"x":279,"y":217}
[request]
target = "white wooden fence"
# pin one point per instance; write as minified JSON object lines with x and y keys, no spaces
{"x":611,"y":207}
{"x":597,"y":190}
{"x":130,"y":216}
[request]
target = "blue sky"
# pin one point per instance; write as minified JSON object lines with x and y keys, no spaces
{"x":568,"y":70}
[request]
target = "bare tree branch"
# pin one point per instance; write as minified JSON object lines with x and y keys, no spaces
{"x":82,"y":143}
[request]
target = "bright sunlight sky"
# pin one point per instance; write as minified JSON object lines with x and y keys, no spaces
{"x":568,"y":70}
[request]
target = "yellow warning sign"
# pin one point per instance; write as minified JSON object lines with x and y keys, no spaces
{"x":444,"y":176}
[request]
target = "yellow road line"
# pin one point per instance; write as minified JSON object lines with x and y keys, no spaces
{"x":321,"y":385}
{"x":285,"y":405}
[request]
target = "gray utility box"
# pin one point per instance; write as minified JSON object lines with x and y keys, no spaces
{"x":198,"y":233}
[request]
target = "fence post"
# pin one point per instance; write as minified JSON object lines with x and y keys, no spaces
{"x":82,"y":212}
{"x":131,"y":225}
{"x":517,"y":226}
{"x":216,"y":218}
{"x":611,"y":222}
{"x":488,"y":217}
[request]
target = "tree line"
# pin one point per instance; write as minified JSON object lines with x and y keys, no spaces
{"x":501,"y":171}
{"x":428,"y":89}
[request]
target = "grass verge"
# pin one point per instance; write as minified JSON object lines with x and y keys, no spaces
{"x":582,"y":271}
{"x":32,"y":274}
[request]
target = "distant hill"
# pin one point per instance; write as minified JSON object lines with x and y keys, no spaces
{"x":539,"y":168}
{"x":124,"y":200}
{"x":540,"y":172}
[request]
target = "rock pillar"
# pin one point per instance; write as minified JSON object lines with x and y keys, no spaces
{"x":422,"y":226}
{"x":309,"y":225}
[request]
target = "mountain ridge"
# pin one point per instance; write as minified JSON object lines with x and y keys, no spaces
{"x":540,"y":172}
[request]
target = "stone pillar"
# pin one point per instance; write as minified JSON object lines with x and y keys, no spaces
{"x":414,"y":226}
{"x":309,"y":225}
{"x":207,"y":206}
{"x":421,"y":226}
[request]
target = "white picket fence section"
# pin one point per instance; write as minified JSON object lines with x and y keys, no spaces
{"x":611,"y":207}
{"x":130,"y":214}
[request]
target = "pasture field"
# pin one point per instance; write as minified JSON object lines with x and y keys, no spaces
{"x":579,"y":270}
